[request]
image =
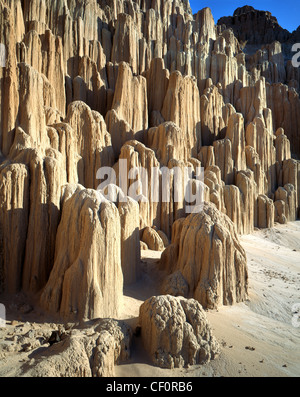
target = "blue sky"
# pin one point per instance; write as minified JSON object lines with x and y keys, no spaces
{"x":287,"y":12}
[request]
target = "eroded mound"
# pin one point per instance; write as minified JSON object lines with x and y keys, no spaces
{"x":176,"y":332}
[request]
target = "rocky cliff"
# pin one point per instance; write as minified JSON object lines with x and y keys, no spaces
{"x":91,"y":84}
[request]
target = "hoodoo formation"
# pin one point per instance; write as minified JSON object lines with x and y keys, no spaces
{"x":135,"y":86}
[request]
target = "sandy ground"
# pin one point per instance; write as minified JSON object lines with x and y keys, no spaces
{"x":257,"y":337}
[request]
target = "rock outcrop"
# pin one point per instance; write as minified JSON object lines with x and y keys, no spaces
{"x":130,"y":232}
{"x":152,"y":239}
{"x":176,"y":332}
{"x":206,"y":251}
{"x":254,"y":27}
{"x":128,"y":119}
{"x":91,"y":350}
{"x":86,"y":280}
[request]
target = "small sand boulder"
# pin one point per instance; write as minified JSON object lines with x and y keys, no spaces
{"x":152,"y":239}
{"x":144,"y":246}
{"x":176,"y":333}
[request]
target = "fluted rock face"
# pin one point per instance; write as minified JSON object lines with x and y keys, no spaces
{"x":30,"y":52}
{"x":92,"y":142}
{"x":159,"y":188}
{"x":236,"y":134}
{"x":130,"y":234}
{"x":212,"y":178}
{"x":130,"y":240}
{"x":126,"y":42}
{"x":12,"y":30}
{"x":168,"y":143}
{"x":137,"y":158}
{"x":265,"y":212}
{"x":14,"y":200}
{"x":287,"y":116}
{"x":207,"y":252}
{"x":86,"y":280}
{"x":157,"y":85}
{"x":176,"y":333}
{"x":283,"y":146}
{"x":286,"y":204}
{"x":256,"y":29}
{"x":182,"y":106}
{"x":92,"y":84}
{"x":214,"y":114}
{"x":47,"y":176}
{"x":31,"y":104}
{"x":130,"y":107}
